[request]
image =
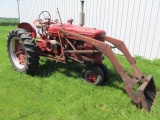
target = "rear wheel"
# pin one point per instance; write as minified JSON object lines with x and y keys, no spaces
{"x":93,"y":74}
{"x":22,"y":51}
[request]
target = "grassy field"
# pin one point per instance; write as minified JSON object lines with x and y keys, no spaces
{"x":57,"y":92}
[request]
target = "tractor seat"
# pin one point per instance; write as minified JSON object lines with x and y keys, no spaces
{"x":40,"y":25}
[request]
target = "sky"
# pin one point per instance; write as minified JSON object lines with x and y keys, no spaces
{"x":8,"y":8}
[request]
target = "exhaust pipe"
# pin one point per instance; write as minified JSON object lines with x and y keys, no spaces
{"x":82,"y":14}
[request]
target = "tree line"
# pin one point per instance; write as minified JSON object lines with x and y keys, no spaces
{"x":9,"y":21}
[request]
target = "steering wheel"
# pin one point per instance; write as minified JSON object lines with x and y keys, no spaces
{"x":44,"y":17}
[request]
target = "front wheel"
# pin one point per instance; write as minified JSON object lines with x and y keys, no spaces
{"x":22,"y":51}
{"x":105,"y":71}
{"x":93,"y":74}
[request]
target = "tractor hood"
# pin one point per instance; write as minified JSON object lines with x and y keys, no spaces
{"x":86,"y":31}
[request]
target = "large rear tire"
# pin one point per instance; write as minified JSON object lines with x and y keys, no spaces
{"x":22,"y":51}
{"x":93,"y":74}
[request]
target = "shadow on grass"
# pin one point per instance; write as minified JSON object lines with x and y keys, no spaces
{"x":72,"y":69}
{"x":114,"y":80}
{"x":49,"y":67}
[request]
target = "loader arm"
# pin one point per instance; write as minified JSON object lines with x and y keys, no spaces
{"x":122,"y":47}
{"x":146,"y":92}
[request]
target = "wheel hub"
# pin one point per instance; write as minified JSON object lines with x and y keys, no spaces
{"x":17,"y":53}
{"x":91,"y":76}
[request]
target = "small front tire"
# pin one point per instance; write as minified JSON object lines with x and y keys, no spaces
{"x":93,"y":74}
{"x":105,"y":71}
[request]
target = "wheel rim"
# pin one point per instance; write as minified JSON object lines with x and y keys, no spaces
{"x":17,"y":53}
{"x":91,"y":76}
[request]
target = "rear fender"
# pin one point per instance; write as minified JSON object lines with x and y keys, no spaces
{"x":29,"y":28}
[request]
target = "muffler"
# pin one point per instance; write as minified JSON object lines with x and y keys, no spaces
{"x":82,"y":14}
{"x":146,"y":93}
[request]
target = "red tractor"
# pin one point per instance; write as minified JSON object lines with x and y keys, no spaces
{"x":61,"y":42}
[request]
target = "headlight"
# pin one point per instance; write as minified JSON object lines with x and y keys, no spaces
{"x":102,"y":34}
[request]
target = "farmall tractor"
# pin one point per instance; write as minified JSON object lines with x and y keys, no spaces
{"x":64,"y":41}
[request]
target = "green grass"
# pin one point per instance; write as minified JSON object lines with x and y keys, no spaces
{"x":57,"y":92}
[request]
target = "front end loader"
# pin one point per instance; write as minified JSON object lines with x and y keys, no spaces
{"x":145,"y":94}
{"x":61,"y":42}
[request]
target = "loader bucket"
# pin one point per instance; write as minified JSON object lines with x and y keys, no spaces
{"x":146,"y":93}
